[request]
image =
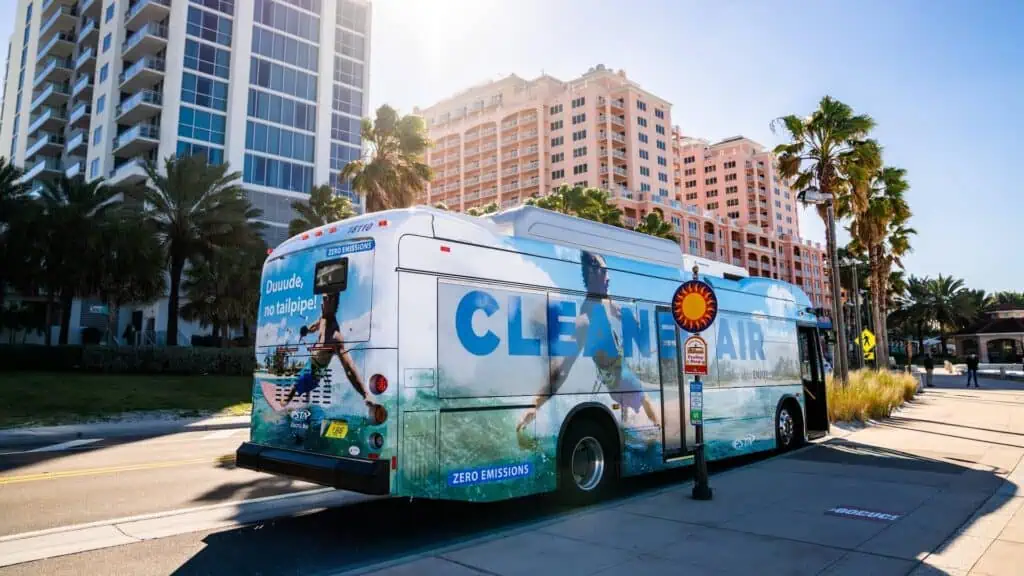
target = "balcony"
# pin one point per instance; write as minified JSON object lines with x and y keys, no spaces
{"x":48,"y":166}
{"x":86,"y":61}
{"x":49,"y":143}
{"x":49,"y":119}
{"x":528,"y":135}
{"x":89,"y":33}
{"x":509,"y":140}
{"x":82,"y":89}
{"x":148,"y":40}
{"x":143,"y":74}
{"x":51,"y":6}
{"x":52,"y":95}
{"x":489,"y":176}
{"x":530,"y":182}
{"x":61,"y":45}
{"x":142,"y":106}
{"x":529,"y":150}
{"x":617,"y":120}
{"x":143,"y":12}
{"x":488,"y":192}
{"x":510,"y":171}
{"x":531,"y":166}
{"x":80,"y":115}
{"x":489,"y":147}
{"x":510,"y":187}
{"x":53,"y":70}
{"x":76,"y":168}
{"x":90,"y":8}
{"x":132,"y":171}
{"x":137,"y":140}
{"x":77,"y":142}
{"x":62,"y":20}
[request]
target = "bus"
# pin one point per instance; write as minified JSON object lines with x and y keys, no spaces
{"x":429,"y":354}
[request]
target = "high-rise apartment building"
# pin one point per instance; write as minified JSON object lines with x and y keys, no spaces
{"x":275,"y":88}
{"x":510,"y":139}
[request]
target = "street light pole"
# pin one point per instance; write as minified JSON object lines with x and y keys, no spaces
{"x":857,"y":324}
{"x":814,"y":196}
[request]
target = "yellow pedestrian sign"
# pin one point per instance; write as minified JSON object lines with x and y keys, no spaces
{"x":867,"y":343}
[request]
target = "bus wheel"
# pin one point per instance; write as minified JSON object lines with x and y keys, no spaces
{"x":587,"y":464}
{"x":788,"y":427}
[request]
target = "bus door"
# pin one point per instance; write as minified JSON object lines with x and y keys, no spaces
{"x":673,"y":400}
{"x":812,"y":373}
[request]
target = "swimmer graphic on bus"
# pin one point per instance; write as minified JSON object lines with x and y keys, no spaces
{"x":620,"y":382}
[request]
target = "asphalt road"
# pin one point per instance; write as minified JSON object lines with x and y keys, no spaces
{"x":106,"y":479}
{"x":112,"y":479}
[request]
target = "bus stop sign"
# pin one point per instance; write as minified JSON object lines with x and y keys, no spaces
{"x":695,"y":356}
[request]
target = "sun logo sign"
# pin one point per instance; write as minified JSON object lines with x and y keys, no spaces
{"x":694,"y":306}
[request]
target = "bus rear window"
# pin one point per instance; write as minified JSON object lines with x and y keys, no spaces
{"x":331,"y":276}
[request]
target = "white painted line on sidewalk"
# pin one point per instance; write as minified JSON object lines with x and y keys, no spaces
{"x":42,"y":544}
{"x":221,"y":434}
{"x":65,"y":445}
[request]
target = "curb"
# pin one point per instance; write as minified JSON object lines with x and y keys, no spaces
{"x":43,"y":544}
{"x":47,"y":434}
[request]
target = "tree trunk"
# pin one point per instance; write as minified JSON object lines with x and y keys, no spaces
{"x":177,"y":267}
{"x":920,"y":338}
{"x":67,"y":300}
{"x":877,"y":293}
{"x":48,"y":334}
{"x":839,"y":326}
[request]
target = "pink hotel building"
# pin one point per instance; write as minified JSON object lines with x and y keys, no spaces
{"x":510,"y":139}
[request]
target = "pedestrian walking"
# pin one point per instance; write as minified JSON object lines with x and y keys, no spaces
{"x":929,"y":366}
{"x":972,"y":369}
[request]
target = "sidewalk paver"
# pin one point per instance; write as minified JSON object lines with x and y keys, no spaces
{"x":948,"y":469}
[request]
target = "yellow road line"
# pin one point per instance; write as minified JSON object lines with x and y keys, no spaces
{"x":112,"y":469}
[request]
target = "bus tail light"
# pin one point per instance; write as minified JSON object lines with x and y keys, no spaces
{"x":394,"y":462}
{"x":379,"y":384}
{"x":378,"y":414}
{"x":376,"y":441}
{"x":446,"y":249}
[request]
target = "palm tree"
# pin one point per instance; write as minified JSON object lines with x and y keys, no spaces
{"x":72,"y":214}
{"x":13,"y":201}
{"x":441,"y":206}
{"x":483,"y":211}
{"x":324,"y":206}
{"x":830,"y":150}
{"x":132,"y":268}
{"x":884,"y":215}
{"x":588,"y":203}
{"x":949,"y":304}
{"x":915,"y":312}
{"x":223,"y":289}
{"x":655,"y":225}
{"x":392,"y":174}
{"x":1005,"y":298}
{"x":195,"y":207}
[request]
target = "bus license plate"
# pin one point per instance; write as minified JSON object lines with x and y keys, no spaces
{"x":337,"y":429}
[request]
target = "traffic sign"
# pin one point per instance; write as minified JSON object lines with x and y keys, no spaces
{"x":867,"y":343}
{"x":696,"y":402}
{"x":695,"y":356}
{"x":694,"y":306}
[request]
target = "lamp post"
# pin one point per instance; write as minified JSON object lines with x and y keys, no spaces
{"x":814,"y":196}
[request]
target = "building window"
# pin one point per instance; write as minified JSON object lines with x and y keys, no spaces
{"x":662,"y":161}
{"x":661,"y":145}
{"x":345,"y":129}
{"x":645,"y":171}
{"x":349,"y":44}
{"x":644,"y":155}
{"x":580,"y":135}
{"x":659,"y":113}
{"x":731,"y":189}
{"x":284,"y":49}
{"x":579,"y":102}
{"x":277,"y":174}
{"x":712,"y":205}
{"x":352,"y":16}
{"x":642,"y":137}
{"x":282,"y":111}
{"x":732,"y":202}
{"x":342,"y":154}
{"x":201,"y":125}
{"x":111,"y":10}
{"x":640,"y":105}
{"x":691,"y":183}
{"x":710,"y":168}
{"x":209,"y":59}
{"x":279,"y":142}
{"x":579,"y":152}
{"x":287,"y":19}
{"x":579,"y":169}
{"x":106,"y":43}
{"x":689,"y":160}
{"x":557,"y":141}
{"x":645,"y":187}
{"x":225,"y":6}
{"x":212,"y":155}
{"x":579,"y":118}
{"x":101,"y":104}
{"x":556,"y":125}
{"x":691,"y":196}
{"x":730,"y":177}
{"x":348,"y":72}
{"x":660,"y":129}
{"x":556,"y":109}
{"x":710,"y":181}
{"x":347,"y":100}
{"x":729,"y":164}
{"x":556,"y":158}
{"x":94,"y":168}
{"x":642,"y":122}
{"x":203,"y":91}
{"x":283,"y":79}
{"x":97,"y":136}
{"x":208,"y":26}
{"x":690,"y":172}
{"x":104,"y":71}
{"x":558,"y":174}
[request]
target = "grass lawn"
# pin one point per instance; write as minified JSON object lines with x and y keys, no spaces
{"x":44,"y":398}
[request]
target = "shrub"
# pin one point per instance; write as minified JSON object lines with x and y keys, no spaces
{"x":129,"y":360}
{"x":869,"y":395}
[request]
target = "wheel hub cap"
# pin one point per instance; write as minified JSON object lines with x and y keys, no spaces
{"x":587,"y":463}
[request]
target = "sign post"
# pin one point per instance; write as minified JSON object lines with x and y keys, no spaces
{"x":694,"y":308}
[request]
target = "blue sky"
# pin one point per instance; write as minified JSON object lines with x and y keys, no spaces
{"x":944,"y":80}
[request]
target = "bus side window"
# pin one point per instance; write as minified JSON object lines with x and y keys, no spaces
{"x":805,"y":355}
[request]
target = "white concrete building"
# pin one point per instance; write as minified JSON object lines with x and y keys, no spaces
{"x":275,"y":88}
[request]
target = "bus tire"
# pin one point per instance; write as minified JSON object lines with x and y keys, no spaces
{"x":789,"y":426}
{"x":589,"y":446}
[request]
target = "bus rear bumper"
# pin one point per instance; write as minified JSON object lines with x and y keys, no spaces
{"x":355,"y":474}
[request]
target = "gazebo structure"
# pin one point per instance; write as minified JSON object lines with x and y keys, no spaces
{"x":997,"y":339}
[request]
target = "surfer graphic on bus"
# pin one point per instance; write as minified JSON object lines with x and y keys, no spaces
{"x":620,"y":382}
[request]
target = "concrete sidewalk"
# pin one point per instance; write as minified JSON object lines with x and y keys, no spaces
{"x":144,"y":426}
{"x":934,"y":490}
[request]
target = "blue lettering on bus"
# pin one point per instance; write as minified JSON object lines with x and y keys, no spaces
{"x":561,"y":331}
{"x":363,"y":246}
{"x":488,"y":474}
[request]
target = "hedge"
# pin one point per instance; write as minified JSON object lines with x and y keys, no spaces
{"x":129,"y":360}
